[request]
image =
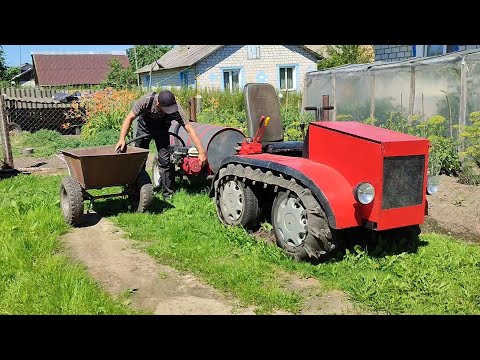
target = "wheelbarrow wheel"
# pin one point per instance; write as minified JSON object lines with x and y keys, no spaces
{"x":71,"y":200}
{"x":142,"y":193}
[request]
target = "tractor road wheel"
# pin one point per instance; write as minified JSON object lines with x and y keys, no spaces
{"x":141,"y":193}
{"x":71,"y":200}
{"x":302,"y":236}
{"x":238,"y":204}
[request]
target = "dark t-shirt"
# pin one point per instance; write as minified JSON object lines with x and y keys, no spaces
{"x":156,"y":121}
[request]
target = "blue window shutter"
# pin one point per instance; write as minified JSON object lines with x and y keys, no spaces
{"x":253,"y":51}
{"x":456,"y":47}
{"x":414,"y":50}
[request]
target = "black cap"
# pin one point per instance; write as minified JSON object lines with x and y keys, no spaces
{"x":167,"y":101}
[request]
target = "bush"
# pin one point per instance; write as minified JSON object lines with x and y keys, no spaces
{"x":472,"y":135}
{"x":469,"y":175}
{"x":443,"y":157}
{"x":104,"y":110}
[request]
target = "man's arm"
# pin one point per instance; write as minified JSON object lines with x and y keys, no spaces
{"x":124,"y":131}
{"x":202,"y":156}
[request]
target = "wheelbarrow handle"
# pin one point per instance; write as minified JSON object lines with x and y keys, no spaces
{"x":131,"y":141}
{"x":148,"y":136}
{"x":137,"y":138}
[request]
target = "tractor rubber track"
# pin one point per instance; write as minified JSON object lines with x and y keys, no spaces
{"x":321,"y":244}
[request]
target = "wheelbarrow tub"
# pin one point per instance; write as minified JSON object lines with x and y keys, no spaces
{"x":101,"y":166}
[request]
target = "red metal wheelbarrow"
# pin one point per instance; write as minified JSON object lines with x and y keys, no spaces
{"x":100,"y":167}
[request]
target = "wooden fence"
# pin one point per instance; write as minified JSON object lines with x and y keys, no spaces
{"x":32,"y":109}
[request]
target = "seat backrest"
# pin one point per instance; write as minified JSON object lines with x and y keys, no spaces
{"x":261,"y":99}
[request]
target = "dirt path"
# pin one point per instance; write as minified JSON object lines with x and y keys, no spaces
{"x":121,"y":269}
{"x":455,"y":209}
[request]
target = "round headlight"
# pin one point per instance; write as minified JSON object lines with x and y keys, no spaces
{"x":432,"y":184}
{"x":365,"y":193}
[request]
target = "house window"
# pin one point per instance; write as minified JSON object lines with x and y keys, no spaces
{"x":434,"y":50}
{"x":253,"y":51}
{"x":184,"y":78}
{"x":231,"y":79}
{"x":287,"y":77}
{"x":146,"y":81}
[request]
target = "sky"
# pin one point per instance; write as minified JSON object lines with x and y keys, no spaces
{"x":12,"y":52}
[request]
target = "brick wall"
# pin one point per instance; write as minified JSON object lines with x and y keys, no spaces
{"x":393,"y":52}
{"x":402,"y":52}
{"x":264,"y":69}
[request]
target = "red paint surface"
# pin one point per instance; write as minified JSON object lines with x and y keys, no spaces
{"x":191,"y":165}
{"x":333,"y":185}
{"x":250,"y":148}
{"x":370,"y":132}
{"x":339,"y":161}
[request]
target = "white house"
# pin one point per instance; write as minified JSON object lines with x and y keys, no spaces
{"x":230,"y":67}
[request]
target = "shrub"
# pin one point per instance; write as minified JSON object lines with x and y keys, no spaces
{"x":469,"y":175}
{"x":104,"y":110}
{"x":443,"y":157}
{"x":472,"y":135}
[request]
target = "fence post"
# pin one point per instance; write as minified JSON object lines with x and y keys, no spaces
{"x":193,"y":109}
{"x":4,"y":133}
{"x":325,"y":103}
{"x":334,"y":92}
{"x":372,"y":94}
{"x":198,"y":105}
{"x":462,"y":112}
{"x":411,"y":101}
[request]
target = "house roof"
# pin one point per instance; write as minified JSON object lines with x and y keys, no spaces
{"x":25,"y":69}
{"x":188,"y":55}
{"x":73,"y":69}
{"x":180,"y":56}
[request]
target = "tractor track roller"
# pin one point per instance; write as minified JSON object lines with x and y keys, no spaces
{"x":300,"y":224}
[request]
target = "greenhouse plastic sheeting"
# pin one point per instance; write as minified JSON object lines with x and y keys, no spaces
{"x":410,"y":90}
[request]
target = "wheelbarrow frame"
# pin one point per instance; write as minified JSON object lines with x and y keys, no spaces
{"x":101,"y":167}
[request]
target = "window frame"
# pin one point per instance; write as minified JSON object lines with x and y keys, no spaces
{"x":249,"y":52}
{"x":184,"y":78}
{"x":146,"y":80}
{"x":230,"y":70}
{"x":421,"y":50}
{"x":294,"y":76}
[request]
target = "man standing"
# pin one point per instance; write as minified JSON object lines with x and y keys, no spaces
{"x":155,"y":113}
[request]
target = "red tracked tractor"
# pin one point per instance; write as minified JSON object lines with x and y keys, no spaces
{"x":343,"y":175}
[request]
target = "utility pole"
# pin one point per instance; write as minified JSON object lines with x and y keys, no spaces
{"x":136,"y":65}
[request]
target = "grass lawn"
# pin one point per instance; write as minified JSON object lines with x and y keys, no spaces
{"x":49,"y":142}
{"x":35,"y":275}
{"x":442,"y":277}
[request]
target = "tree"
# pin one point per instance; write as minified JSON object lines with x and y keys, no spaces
{"x":119,"y":77}
{"x":146,"y":54}
{"x":11,"y":72}
{"x":3,"y":66}
{"x":346,"y":54}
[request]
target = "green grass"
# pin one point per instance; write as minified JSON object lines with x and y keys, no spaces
{"x":48,"y":142}
{"x":36,"y":277}
{"x":442,"y":277}
{"x":188,"y":236}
